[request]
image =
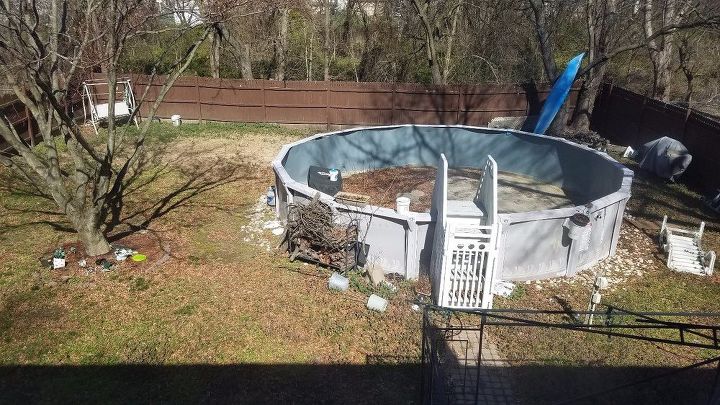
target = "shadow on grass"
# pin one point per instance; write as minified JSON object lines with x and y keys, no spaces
{"x":654,"y":197}
{"x":201,"y":383}
{"x":159,"y":182}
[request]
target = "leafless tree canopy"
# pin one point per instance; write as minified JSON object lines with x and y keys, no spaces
{"x":46,"y":49}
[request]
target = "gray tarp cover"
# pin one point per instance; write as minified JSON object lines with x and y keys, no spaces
{"x":666,"y":157}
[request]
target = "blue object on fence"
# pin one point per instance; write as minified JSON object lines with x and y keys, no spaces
{"x":558,"y":94}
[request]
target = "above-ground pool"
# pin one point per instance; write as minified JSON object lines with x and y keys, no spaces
{"x":542,"y":182}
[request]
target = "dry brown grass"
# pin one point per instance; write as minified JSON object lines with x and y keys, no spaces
{"x":244,"y":322}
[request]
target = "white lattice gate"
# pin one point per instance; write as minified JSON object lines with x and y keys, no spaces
{"x":465,"y":244}
{"x":469,"y":266}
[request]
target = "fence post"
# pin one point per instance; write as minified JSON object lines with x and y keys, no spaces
{"x":715,"y":394}
{"x":392,"y":104}
{"x":199,"y":103}
{"x":327,"y":105}
{"x":641,"y":118}
{"x":264,"y":103}
{"x":688,"y":113}
{"x":422,"y":356}
{"x":459,"y":104}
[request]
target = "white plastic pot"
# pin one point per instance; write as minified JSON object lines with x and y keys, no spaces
{"x":402,"y":205}
{"x":176,"y":120}
{"x":338,"y":282}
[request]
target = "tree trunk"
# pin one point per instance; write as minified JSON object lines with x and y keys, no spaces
{"x":684,"y":57}
{"x":430,"y":49}
{"x":542,"y":33}
{"x":449,"y":46}
{"x":215,"y":54}
{"x":559,"y":123}
{"x":94,"y":241}
{"x":281,"y":43}
{"x":326,"y":61}
{"x":586,"y":100}
{"x":599,"y":19}
{"x":242,"y":52}
{"x":543,"y":37}
{"x":245,"y":63}
{"x":87,"y":225}
{"x":662,"y":70}
{"x":661,"y":49}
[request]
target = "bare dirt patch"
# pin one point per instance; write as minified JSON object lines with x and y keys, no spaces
{"x":249,"y":147}
{"x":516,"y":193}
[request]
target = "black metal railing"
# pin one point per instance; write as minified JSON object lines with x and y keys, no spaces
{"x":460,"y":367}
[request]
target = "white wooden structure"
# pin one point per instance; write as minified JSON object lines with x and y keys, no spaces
{"x":95,"y":99}
{"x":465,"y":242}
{"x":684,"y":249}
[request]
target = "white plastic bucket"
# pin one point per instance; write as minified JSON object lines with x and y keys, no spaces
{"x":338,"y":282}
{"x":377,"y":303}
{"x":402,"y":205}
{"x":176,"y":120}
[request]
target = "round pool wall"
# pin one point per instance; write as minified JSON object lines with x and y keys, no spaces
{"x":532,"y":245}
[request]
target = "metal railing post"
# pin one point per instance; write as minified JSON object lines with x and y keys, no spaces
{"x":478,"y":367}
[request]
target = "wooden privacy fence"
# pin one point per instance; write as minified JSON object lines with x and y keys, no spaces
{"x":624,"y":117}
{"x":321,"y":103}
{"x":628,"y":118}
{"x":339,"y":103}
{"x":20,"y":118}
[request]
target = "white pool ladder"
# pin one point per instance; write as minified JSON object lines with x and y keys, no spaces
{"x":465,"y":243}
{"x":684,"y":249}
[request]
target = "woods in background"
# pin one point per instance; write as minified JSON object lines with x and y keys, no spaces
{"x":669,"y":49}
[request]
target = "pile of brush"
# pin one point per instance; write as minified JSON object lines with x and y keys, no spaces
{"x":313,"y":235}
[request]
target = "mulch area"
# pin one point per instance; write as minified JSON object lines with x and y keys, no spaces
{"x":146,"y":243}
{"x":383,"y":186}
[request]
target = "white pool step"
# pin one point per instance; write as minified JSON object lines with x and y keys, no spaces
{"x":685,"y":253}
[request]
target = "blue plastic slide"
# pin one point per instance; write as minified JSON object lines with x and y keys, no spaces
{"x":558,"y":94}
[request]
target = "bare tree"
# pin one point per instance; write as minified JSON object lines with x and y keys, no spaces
{"x":613,"y":28}
{"x":544,"y":17}
{"x":438,"y":20}
{"x":43,"y":48}
{"x":685,"y":57}
{"x":215,"y":49}
{"x":661,"y":49}
{"x":218,"y":13}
